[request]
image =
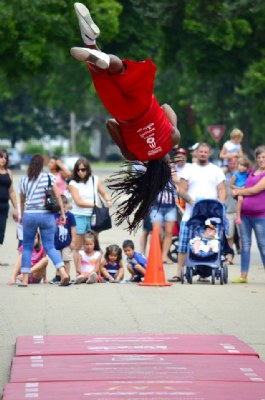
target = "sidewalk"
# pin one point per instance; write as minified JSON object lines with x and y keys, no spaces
{"x":127,"y":308}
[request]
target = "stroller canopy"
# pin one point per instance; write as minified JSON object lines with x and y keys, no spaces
{"x":208,"y":208}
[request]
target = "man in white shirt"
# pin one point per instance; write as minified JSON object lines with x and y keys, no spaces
{"x":180,"y":160}
{"x":203,"y":180}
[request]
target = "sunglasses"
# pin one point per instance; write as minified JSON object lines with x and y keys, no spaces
{"x":81,"y":169}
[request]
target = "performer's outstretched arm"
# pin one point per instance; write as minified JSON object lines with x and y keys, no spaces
{"x":115,"y":132}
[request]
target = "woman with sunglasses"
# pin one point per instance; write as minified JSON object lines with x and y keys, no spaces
{"x":84,"y":189}
{"x":6,"y":193}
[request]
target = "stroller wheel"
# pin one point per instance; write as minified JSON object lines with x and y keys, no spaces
{"x":225,"y":274}
{"x":221,"y":276}
{"x":173,"y":250}
{"x":213,"y":276}
{"x":189,"y":275}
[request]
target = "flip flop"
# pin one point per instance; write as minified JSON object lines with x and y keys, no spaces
{"x":175,"y":279}
{"x":4,"y":264}
{"x":22,"y":285}
{"x":65,"y":282}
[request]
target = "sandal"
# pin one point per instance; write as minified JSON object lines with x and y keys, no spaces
{"x":65,"y":282}
{"x":175,"y":279}
{"x":240,"y":280}
{"x":167,"y":262}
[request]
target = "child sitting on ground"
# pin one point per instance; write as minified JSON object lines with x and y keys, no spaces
{"x":136,"y":262}
{"x":89,"y":260}
{"x":206,"y":244}
{"x":39,"y":263}
{"x":111,"y":267}
{"x":238,"y":180}
{"x":64,"y":238}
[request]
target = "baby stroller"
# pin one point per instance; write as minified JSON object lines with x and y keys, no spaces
{"x":212,"y":263}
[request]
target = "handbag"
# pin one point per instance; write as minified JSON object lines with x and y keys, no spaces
{"x":51,"y":202}
{"x":100,"y":220}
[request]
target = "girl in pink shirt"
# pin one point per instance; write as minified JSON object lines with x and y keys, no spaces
{"x":39,"y":263}
{"x":89,"y":260}
{"x":59,"y":170}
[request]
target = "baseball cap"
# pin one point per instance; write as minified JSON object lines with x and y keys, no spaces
{"x":194,"y":146}
{"x":181,"y":151}
{"x":210,"y":224}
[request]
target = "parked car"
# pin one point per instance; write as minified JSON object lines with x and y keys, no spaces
{"x":14,"y":158}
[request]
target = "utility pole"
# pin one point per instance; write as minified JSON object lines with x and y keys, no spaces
{"x":73,"y":132}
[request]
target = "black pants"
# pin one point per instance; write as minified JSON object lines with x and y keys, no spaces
{"x":3,"y":217}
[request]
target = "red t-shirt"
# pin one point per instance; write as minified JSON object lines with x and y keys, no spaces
{"x":149,"y":136}
{"x":129,"y":97}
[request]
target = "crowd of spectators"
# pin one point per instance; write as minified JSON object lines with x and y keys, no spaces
{"x":67,"y":236}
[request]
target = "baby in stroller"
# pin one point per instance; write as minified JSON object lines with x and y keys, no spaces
{"x":207,"y":244}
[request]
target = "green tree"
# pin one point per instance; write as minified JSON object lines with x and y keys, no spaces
{"x":209,"y":55}
{"x":40,"y":82}
{"x":214,"y":48}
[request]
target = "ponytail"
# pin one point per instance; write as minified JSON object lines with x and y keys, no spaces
{"x":141,"y":188}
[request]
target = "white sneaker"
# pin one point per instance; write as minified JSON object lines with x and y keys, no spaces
{"x":92,"y":278}
{"x":92,"y":56}
{"x":79,"y":279}
{"x":89,"y":30}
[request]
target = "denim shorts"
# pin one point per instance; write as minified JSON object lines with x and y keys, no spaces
{"x":163,"y":214}
{"x":147,"y":224}
{"x":83,"y":224}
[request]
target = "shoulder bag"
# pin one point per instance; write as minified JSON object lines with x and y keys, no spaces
{"x":100,"y":220}
{"x":51,"y":202}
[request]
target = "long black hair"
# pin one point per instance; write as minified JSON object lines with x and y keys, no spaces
{"x":141,"y":183}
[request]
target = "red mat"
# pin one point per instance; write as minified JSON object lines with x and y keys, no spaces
{"x":134,"y":344}
{"x":137,"y":366}
{"x":116,"y":390}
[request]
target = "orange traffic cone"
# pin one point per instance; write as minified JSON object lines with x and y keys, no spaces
{"x":154,"y":275}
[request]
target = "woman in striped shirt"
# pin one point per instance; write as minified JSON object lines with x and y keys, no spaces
{"x":35,"y":216}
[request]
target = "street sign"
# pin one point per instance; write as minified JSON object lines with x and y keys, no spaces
{"x":216,"y":131}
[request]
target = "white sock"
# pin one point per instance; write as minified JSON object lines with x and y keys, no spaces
{"x":87,"y":40}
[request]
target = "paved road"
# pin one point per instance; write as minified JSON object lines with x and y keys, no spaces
{"x":127,"y":308}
